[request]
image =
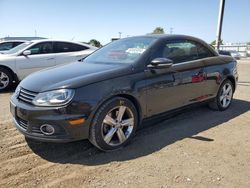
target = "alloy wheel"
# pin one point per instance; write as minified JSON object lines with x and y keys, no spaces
{"x":4,"y":80}
{"x":117,"y":125}
{"x":226,"y":95}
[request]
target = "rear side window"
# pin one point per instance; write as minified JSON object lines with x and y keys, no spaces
{"x":184,"y":50}
{"x":203,"y":52}
{"x":62,"y":47}
{"x":41,"y":48}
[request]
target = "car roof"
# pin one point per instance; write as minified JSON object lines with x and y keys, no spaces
{"x":13,"y":41}
{"x":177,"y":37}
{"x":171,"y":37}
{"x":56,"y":40}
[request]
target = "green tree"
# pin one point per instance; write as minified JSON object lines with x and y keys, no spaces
{"x":213,"y":43}
{"x":95,"y":43}
{"x":248,"y":43}
{"x":158,"y":30}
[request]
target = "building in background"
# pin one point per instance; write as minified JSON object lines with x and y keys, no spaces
{"x":242,"y":48}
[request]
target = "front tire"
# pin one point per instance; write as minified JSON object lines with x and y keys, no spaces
{"x":114,"y":124}
{"x":224,"y":97}
{"x":6,"y":79}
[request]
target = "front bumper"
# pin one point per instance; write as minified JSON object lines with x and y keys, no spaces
{"x":28,"y":119}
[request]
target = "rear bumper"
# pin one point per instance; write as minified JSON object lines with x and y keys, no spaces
{"x":28,"y":119}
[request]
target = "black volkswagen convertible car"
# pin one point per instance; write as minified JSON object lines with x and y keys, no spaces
{"x":106,"y":96}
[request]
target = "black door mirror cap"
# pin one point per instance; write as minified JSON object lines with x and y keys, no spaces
{"x":160,"y":63}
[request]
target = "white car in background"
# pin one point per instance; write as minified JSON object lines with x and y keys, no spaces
{"x":35,"y":55}
{"x":7,"y":45}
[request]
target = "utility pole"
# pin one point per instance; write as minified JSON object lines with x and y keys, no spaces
{"x":220,"y":21}
{"x":120,"y":34}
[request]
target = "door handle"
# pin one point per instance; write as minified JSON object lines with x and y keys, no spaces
{"x":52,"y":58}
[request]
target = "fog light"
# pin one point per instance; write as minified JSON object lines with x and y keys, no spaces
{"x":47,"y":129}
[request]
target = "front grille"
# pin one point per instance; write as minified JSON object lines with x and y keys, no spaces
{"x":36,"y":130}
{"x":26,"y":96}
{"x":22,"y":123}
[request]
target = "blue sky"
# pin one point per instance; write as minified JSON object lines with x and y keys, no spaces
{"x":82,"y":20}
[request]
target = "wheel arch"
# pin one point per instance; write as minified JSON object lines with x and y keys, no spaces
{"x":126,"y":96}
{"x":232,"y":79}
{"x":135,"y":103}
{"x":11,"y":71}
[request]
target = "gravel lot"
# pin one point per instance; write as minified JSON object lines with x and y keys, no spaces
{"x":197,"y":148}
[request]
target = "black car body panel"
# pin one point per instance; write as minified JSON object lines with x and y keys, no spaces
{"x":77,"y":74}
{"x":153,"y":91}
{"x":28,"y":121}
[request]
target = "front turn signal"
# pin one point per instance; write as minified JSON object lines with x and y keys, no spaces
{"x":76,"y":121}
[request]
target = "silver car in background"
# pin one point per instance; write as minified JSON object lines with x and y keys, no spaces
{"x":35,"y":55}
{"x":235,"y":54}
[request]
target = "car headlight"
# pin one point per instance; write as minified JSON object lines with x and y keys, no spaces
{"x":54,"y":98}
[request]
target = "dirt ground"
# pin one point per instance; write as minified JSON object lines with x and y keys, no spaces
{"x":197,"y":148}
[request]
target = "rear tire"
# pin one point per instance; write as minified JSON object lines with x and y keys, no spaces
{"x":6,"y":79}
{"x":114,"y":124}
{"x":224,"y":97}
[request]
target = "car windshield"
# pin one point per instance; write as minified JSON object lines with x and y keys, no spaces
{"x":121,"y":51}
{"x":18,"y":48}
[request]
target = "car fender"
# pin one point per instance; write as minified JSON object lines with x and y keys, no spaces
{"x":9,"y":63}
{"x":229,"y":72}
{"x":103,"y":91}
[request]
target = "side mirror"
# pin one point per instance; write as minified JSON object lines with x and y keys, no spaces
{"x":160,"y":63}
{"x":26,"y":52}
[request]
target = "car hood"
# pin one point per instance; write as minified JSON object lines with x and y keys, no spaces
{"x":73,"y":75}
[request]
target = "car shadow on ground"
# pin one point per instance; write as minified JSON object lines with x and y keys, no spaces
{"x":151,"y":138}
